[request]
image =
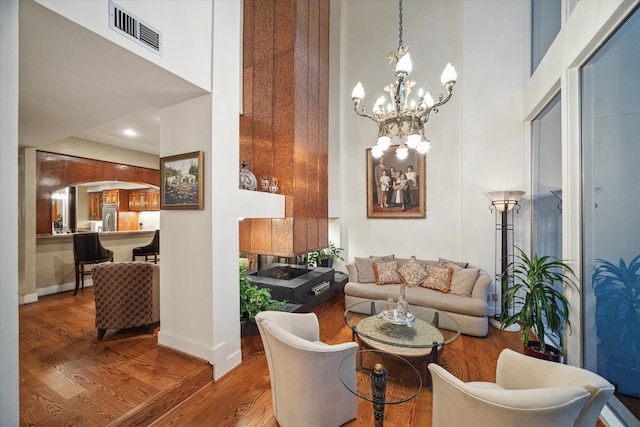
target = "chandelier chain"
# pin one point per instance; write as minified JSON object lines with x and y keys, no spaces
{"x":400,"y":25}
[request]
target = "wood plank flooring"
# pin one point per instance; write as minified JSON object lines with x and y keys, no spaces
{"x":67,"y":377}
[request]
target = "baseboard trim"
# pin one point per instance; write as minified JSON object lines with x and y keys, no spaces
{"x":65,"y":287}
{"x":27,"y":299}
{"x":167,"y":339}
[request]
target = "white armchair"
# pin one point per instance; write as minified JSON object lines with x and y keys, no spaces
{"x":305,"y":385}
{"x":527,"y":392}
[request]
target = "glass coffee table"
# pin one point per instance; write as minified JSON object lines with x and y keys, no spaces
{"x":381,"y":378}
{"x":419,"y":335}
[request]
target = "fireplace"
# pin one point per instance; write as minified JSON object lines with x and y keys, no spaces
{"x":297,"y":284}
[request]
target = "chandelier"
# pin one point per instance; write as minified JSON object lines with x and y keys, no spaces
{"x":403,"y":119}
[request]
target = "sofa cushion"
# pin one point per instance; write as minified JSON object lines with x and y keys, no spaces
{"x":386,"y":273}
{"x":412,"y":272}
{"x":463,"y":280}
{"x":364,"y":267}
{"x":437,"y":278}
{"x":442,"y":262}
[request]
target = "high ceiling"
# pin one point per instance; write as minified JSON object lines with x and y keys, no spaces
{"x":74,"y":82}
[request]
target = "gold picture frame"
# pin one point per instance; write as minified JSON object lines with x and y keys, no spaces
{"x":182,"y":181}
{"x":408,"y":201}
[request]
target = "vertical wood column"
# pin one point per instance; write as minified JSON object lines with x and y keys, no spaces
{"x":284,"y":128}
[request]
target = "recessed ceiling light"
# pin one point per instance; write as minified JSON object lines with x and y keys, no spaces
{"x":129,"y":132}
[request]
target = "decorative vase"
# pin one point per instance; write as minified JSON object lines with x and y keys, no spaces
{"x":247,"y":179}
{"x":264,"y":183}
{"x":274,"y":185}
{"x":403,"y":304}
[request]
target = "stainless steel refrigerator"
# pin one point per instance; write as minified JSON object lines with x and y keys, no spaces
{"x":110,"y":218}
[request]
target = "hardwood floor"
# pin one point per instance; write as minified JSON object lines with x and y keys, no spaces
{"x":67,"y":377}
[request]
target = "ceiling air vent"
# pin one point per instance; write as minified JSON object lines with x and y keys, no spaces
{"x":133,"y":28}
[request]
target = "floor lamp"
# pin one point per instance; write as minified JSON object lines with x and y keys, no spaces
{"x":504,"y":204}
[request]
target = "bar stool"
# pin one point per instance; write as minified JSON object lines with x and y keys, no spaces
{"x":87,"y":249}
{"x":152,"y":249}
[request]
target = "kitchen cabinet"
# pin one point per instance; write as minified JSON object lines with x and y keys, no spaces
{"x":95,"y":206}
{"x":137,"y":200}
{"x":144,"y":200}
{"x":116,"y":197}
{"x":153,"y":200}
{"x":110,"y":197}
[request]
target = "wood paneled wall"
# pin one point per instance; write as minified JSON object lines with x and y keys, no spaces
{"x":284,"y":126}
{"x":56,"y":171}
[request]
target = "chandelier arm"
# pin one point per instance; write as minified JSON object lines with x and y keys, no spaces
{"x":442,"y":99}
{"x":362,"y":112}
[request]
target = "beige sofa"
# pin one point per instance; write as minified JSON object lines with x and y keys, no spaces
{"x":469,"y":311}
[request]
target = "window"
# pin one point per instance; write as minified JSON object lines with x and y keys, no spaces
{"x":545,"y":26}
{"x":611,"y":223}
{"x":546,"y":197}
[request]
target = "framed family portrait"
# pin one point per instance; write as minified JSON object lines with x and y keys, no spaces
{"x":182,"y":181}
{"x":396,"y":188}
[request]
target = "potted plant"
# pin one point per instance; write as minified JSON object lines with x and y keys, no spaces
{"x":321,"y":258}
{"x":617,"y":292}
{"x":541,"y":308}
{"x":252,"y":301}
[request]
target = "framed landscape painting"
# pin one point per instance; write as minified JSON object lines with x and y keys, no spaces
{"x":396,"y":188}
{"x":182,"y":181}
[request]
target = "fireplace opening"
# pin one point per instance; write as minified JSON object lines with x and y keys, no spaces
{"x":281,"y":272}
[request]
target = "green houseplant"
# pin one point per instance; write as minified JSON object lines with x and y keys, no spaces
{"x":617,"y":292}
{"x":253,"y":299}
{"x":541,"y":308}
{"x":321,"y":258}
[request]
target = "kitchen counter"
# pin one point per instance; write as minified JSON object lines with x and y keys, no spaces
{"x":101,"y":233}
{"x":55,"y":268}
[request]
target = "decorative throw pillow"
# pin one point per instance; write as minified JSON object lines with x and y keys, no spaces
{"x":386,"y":273}
{"x":384,"y":258}
{"x":437,"y":278}
{"x":365,"y":270}
{"x":442,"y":262}
{"x":463,"y":281}
{"x":412,"y":273}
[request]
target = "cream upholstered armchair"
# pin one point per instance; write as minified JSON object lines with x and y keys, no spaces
{"x":305,"y":385}
{"x":127,"y":295}
{"x":527,"y":392}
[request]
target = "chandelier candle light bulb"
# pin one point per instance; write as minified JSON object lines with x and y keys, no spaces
{"x":404,"y":118}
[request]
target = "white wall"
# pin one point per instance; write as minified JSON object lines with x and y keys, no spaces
{"x":477,"y":137}
{"x":200,"y":301}
{"x":185,"y":26}
{"x":365,"y":46}
{"x":186,"y":284}
{"x":492,"y":154}
{"x":9,"y":390}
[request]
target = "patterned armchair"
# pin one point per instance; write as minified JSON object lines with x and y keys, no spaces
{"x":127,"y":295}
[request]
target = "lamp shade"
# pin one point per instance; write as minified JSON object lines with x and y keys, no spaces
{"x":504,"y":200}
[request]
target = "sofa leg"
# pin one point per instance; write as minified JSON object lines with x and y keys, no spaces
{"x":101,"y":333}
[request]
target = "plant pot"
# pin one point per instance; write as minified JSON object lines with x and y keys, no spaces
{"x":551,"y":353}
{"x":247,"y":327}
{"x":326,"y":263}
